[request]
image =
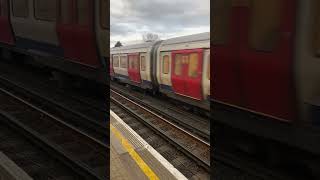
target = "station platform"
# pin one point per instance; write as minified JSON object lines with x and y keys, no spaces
{"x":10,"y":171}
{"x":133,"y":158}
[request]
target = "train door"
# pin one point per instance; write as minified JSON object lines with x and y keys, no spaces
{"x":254,"y":57}
{"x":76,"y":34}
{"x":266,"y":55}
{"x":6,"y":33}
{"x":165,"y":69}
{"x":143,"y":66}
{"x":225,"y":53}
{"x":134,"y":68}
{"x":187,"y":73}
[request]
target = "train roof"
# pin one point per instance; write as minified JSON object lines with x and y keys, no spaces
{"x":186,"y":39}
{"x":133,"y":46}
{"x":201,"y":37}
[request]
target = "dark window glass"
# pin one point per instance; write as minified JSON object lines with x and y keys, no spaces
{"x":20,"y":8}
{"x":221,"y":21}
{"x":143,"y":63}
{"x":131,"y":62}
{"x":65,"y":11}
{"x":264,"y":30}
{"x":83,"y":12}
{"x":134,"y":62}
{"x":178,"y":65}
{"x":4,"y":7}
{"x":123,"y":62}
{"x":104,"y":17}
{"x":45,"y":10}
{"x":208,"y":70}
{"x":316,"y":39}
{"x":115,"y":61}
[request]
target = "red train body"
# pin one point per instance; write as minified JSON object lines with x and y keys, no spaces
{"x":266,"y":69}
{"x":68,"y":35}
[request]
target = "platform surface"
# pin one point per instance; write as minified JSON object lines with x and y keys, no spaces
{"x":10,"y":171}
{"x":133,"y":158}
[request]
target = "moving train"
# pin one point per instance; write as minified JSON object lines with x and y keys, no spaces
{"x":177,"y":67}
{"x":68,"y":35}
{"x":267,"y":71}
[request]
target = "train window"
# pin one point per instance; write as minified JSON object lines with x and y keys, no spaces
{"x":20,"y":8}
{"x":143,"y":63}
{"x":65,"y":14}
{"x":104,"y":18}
{"x":221,"y":15}
{"x":178,"y":65}
{"x":208,"y":70}
{"x":131,"y":65}
{"x":136,"y":62}
{"x":83,"y":12}
{"x":3,"y":7}
{"x":316,"y":27}
{"x":115,"y":61}
{"x":165,"y":64}
{"x":193,"y":65}
{"x":123,"y":62}
{"x":133,"y":62}
{"x":264,"y":30}
{"x":45,"y":10}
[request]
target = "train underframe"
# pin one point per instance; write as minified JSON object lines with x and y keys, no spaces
{"x":68,"y":74}
{"x":198,"y":107}
{"x":285,"y":147}
{"x":98,"y":75}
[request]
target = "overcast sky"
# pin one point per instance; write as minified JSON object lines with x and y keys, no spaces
{"x":130,"y":19}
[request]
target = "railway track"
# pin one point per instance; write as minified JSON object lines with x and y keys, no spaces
{"x":74,"y":111}
{"x":195,"y":124}
{"x":21,"y":146}
{"x":246,"y":168}
{"x":74,"y":148}
{"x":187,"y":152}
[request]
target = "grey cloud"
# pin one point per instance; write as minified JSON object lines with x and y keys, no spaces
{"x":160,"y":16}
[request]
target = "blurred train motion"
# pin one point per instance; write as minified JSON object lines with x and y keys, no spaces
{"x":177,"y":67}
{"x":70,"y":36}
{"x":267,"y":71}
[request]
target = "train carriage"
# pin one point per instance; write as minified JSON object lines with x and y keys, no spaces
{"x":71,"y":35}
{"x":266,"y":76}
{"x":136,"y":69}
{"x":181,"y":64}
{"x":267,"y":63}
{"x":120,"y":64}
{"x":177,"y":67}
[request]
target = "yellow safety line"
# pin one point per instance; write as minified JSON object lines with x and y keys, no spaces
{"x":143,"y":166}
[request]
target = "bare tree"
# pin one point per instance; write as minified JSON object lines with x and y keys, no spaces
{"x":150,"y":37}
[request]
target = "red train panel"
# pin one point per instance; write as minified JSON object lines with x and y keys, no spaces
{"x":187,"y":72}
{"x":257,"y":78}
{"x":76,"y":33}
{"x":134,"y":68}
{"x":6,"y":33}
